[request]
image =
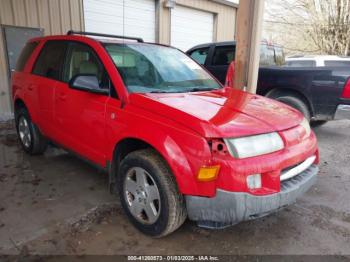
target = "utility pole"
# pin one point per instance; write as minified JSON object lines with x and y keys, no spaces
{"x":249,"y":28}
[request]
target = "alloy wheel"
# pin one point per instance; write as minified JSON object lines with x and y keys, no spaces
{"x":142,"y":195}
{"x":24,"y":131}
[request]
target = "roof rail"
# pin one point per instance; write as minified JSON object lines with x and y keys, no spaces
{"x":72,"y":32}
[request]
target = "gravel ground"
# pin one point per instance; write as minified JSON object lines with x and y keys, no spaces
{"x":58,"y":204}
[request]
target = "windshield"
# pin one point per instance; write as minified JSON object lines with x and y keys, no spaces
{"x":150,"y":68}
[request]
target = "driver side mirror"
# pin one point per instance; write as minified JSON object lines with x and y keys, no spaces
{"x":88,"y":83}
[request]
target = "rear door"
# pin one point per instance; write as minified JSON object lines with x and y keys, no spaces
{"x":79,"y":114}
{"x":220,"y":60}
{"x":46,"y":76}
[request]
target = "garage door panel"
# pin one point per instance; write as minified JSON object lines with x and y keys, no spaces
{"x":145,"y":5}
{"x":103,"y":7}
{"x":193,"y":28}
{"x":107,"y":19}
{"x":136,"y":18}
{"x":199,"y":38}
{"x":190,"y":27}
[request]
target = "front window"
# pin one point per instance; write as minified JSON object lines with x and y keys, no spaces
{"x":200,"y":55}
{"x":157,"y":69}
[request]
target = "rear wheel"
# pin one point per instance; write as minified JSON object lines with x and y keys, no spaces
{"x":29,"y":135}
{"x":149,"y":194}
{"x":297,"y":104}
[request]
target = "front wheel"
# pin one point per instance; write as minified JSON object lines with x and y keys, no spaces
{"x":149,"y":194}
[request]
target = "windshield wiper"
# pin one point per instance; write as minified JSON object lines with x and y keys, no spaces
{"x":158,"y":92}
{"x":197,"y":89}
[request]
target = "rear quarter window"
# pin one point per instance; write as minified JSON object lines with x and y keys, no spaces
{"x":24,"y":56}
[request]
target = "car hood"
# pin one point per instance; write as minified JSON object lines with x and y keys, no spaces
{"x":224,"y":113}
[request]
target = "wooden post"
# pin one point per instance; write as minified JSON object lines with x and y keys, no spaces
{"x":249,"y":27}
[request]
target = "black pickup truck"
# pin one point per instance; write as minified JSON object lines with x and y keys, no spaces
{"x":320,"y":93}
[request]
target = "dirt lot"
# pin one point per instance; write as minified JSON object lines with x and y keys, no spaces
{"x":58,"y":204}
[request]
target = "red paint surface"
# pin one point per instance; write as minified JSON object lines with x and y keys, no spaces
{"x":179,"y":126}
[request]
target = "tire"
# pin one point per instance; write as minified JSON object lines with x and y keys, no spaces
{"x":297,"y":104}
{"x":168,"y":211}
{"x":30,"y":138}
{"x":317,"y":123}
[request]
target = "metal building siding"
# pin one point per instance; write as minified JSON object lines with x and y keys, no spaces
{"x":54,"y":16}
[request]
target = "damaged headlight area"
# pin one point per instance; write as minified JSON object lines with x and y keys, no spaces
{"x":244,"y":147}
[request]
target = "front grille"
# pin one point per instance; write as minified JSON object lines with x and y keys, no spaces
{"x":298,"y":179}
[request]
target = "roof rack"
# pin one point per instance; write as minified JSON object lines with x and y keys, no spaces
{"x":72,"y":32}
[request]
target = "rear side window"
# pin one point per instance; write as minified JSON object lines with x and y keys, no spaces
{"x":336,"y":63}
{"x":50,"y":61}
{"x":25,"y":54}
{"x":200,"y":55}
{"x":224,"y":55}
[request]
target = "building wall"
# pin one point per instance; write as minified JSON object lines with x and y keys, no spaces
{"x":225,"y":18}
{"x":54,"y":16}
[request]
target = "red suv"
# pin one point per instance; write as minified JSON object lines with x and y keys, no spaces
{"x":175,"y":142}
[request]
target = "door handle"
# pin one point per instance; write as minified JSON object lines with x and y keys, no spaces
{"x":30,"y":87}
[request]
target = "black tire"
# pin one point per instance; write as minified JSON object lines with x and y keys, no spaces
{"x":38,"y":143}
{"x":296,"y":103}
{"x":317,"y":123}
{"x":172,"y":212}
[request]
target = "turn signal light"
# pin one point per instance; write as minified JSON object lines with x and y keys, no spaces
{"x":208,"y":173}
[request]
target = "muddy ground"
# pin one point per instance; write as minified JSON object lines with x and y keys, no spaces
{"x":58,"y":204}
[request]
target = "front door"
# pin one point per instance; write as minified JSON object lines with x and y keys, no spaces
{"x":80,"y":115}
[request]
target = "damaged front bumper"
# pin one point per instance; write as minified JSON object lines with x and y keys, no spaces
{"x":229,"y":208}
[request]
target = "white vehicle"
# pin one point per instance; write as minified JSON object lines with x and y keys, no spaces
{"x":317,"y":61}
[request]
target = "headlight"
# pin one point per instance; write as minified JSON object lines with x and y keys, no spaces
{"x":250,"y":146}
{"x":306,"y":125}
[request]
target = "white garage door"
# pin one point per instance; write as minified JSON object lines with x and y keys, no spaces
{"x":190,"y":27}
{"x":136,"y":18}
